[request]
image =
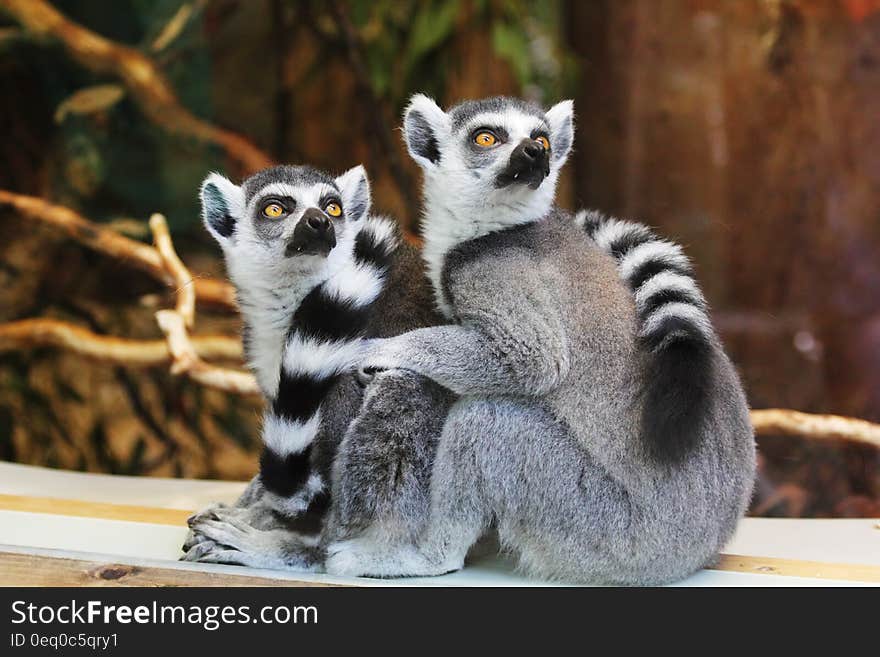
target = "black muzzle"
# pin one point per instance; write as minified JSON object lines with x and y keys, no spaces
{"x":529,"y":164}
{"x":313,"y":235}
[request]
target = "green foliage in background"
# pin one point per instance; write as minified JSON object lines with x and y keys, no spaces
{"x":407,"y":43}
{"x":111,"y":163}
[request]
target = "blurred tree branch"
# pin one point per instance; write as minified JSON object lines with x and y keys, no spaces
{"x":31,"y":333}
{"x":785,"y":422}
{"x":186,"y":353}
{"x":186,"y":359}
{"x":182,"y":351}
{"x":174,"y":323}
{"x":143,"y":79}
{"x":45,"y":332}
{"x":139,"y":255}
{"x":183,"y":280}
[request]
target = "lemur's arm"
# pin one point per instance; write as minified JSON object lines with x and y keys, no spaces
{"x":511,"y":338}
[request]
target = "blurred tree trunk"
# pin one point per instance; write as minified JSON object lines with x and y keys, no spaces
{"x":749,"y":131}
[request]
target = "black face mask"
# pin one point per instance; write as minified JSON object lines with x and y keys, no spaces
{"x":529,"y":164}
{"x":313,"y":235}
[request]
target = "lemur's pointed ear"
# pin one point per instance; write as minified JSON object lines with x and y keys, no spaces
{"x":561,"y":120}
{"x":355,"y":189}
{"x":425,"y":125}
{"x":222,"y":206}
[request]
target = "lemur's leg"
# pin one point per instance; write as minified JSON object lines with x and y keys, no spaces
{"x":514,"y":463}
{"x":460,"y":511}
{"x":382,"y":471}
{"x":228,"y":539}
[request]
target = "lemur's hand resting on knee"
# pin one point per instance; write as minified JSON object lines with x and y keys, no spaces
{"x":379,"y":355}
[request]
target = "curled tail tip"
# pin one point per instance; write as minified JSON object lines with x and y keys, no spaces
{"x":676,"y":387}
{"x":375,"y":243}
{"x":383,"y":231}
{"x":677,"y":324}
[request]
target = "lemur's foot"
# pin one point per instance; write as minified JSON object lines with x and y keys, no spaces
{"x":207,"y":551}
{"x":207,"y":511}
{"x":228,"y":538}
{"x":194,"y":537}
{"x":359,"y":557}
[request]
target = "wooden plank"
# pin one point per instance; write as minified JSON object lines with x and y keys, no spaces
{"x":79,"y":508}
{"x":177,"y":518}
{"x":17,"y":569}
{"x":797,"y":568}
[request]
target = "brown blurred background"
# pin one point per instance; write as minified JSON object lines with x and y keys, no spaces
{"x":748,"y":130}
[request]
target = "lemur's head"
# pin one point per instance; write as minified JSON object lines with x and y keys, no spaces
{"x":283,"y":221}
{"x":499,"y":153}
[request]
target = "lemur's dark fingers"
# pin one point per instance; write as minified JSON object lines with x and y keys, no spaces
{"x":210,"y":552}
{"x":235,"y":535}
{"x":365,"y":375}
{"x":226,"y":556}
{"x":207,"y":512}
{"x":193,"y":538}
{"x":198,"y":550}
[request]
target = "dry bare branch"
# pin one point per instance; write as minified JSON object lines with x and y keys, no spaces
{"x":174,"y":324}
{"x":42,"y":332}
{"x":31,"y":333}
{"x":186,"y":359}
{"x":185,"y":292}
{"x":141,"y":76}
{"x":187,"y":353}
{"x":785,"y":422}
{"x":138,"y":255}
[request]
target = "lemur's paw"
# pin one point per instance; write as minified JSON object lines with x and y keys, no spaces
{"x":195,"y":551}
{"x":226,"y":526}
{"x":360,"y":558}
{"x":344,"y":562}
{"x":207,"y":512}
{"x":192,"y":538}
{"x":210,"y":552}
{"x":379,"y":354}
{"x":365,"y":376}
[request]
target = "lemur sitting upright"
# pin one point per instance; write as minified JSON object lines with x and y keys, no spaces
{"x":608,"y":440}
{"x":314,"y":274}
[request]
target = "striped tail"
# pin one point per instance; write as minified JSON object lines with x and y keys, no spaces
{"x":322,"y":345}
{"x":673,"y":327}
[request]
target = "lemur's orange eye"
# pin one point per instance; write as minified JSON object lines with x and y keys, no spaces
{"x":485,"y":139}
{"x":544,"y":142}
{"x":273,"y":210}
{"x":333,"y":209}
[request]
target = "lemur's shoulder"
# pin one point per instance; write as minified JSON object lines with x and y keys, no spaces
{"x":407,"y":300}
{"x":516,"y":251}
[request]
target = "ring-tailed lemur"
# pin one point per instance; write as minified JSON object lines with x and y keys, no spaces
{"x":608,"y":440}
{"x":330,"y":263}
{"x":314,"y":274}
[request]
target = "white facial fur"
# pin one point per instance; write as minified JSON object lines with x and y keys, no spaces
{"x":461,"y":200}
{"x":271,"y":284}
